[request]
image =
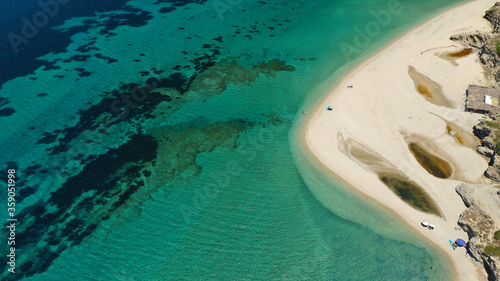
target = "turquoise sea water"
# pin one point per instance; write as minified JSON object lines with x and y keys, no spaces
{"x":159,"y":142}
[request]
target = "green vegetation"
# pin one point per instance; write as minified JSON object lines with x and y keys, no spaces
{"x":497,"y":235}
{"x":411,"y":193}
{"x":492,"y":124}
{"x":496,"y":138}
{"x":497,"y":48}
{"x":492,"y":250}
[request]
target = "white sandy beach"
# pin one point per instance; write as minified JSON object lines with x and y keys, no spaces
{"x":370,"y":125}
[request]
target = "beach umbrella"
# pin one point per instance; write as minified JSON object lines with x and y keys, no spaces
{"x":460,"y":242}
{"x":425,"y":223}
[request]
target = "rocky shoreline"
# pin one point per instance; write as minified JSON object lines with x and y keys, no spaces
{"x":480,"y":228}
{"x":480,"y":219}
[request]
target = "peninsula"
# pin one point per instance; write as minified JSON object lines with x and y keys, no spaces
{"x":400,"y":133}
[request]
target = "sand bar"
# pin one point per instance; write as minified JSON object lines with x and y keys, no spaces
{"x":372,"y":123}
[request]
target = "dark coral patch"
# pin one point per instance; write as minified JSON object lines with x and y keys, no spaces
{"x":102,"y":177}
{"x":129,"y":16}
{"x":165,"y":10}
{"x":3,"y":101}
{"x":50,"y":66}
{"x":156,"y":71}
{"x":55,"y":41}
{"x":104,"y":169}
{"x":115,"y":104}
{"x":25,"y":192}
{"x":85,"y":48}
{"x":79,"y":58}
{"x":82,"y":72}
{"x":180,"y":3}
{"x":48,"y":138}
{"x":7,"y":112}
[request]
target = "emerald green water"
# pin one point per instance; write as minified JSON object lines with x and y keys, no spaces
{"x":230,"y":194}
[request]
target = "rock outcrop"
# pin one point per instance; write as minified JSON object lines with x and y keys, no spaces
{"x":487,"y":51}
{"x":481,"y":131}
{"x":485,"y":151}
{"x":476,"y":220}
{"x":492,"y":172}
{"x":488,"y":46}
{"x":480,"y":228}
{"x":493,"y":16}
{"x":489,"y":148}
{"x":471,"y":40}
